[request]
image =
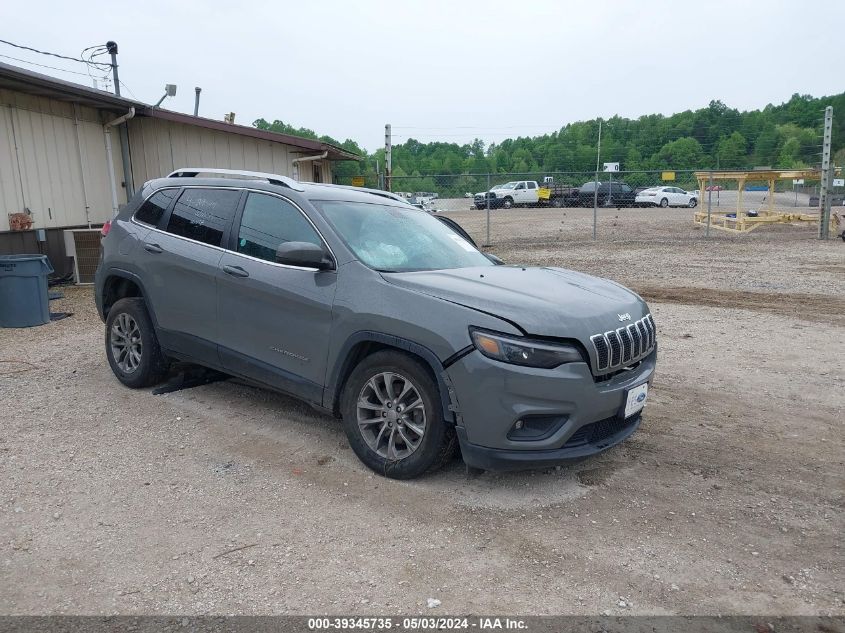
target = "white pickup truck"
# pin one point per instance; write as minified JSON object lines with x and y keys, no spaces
{"x":527,"y":193}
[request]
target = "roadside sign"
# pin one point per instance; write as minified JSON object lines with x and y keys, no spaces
{"x":668,"y":175}
{"x":611,"y":166}
{"x":839,"y":182}
{"x":357,"y":181}
{"x":797,"y":181}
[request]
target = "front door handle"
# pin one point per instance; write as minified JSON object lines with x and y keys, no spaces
{"x":153,"y":248}
{"x":235,"y":271}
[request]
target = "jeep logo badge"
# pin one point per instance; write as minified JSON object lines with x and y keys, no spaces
{"x":624,"y":317}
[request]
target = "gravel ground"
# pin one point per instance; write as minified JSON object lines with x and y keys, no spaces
{"x":231,"y":499}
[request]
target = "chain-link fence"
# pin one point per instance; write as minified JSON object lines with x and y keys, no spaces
{"x":536,"y":209}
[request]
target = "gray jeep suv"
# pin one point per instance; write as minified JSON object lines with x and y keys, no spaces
{"x":373,"y":311}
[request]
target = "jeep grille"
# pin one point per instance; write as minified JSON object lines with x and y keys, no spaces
{"x":624,"y":346}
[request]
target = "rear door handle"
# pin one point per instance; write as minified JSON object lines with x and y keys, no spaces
{"x":235,"y":271}
{"x":153,"y":248}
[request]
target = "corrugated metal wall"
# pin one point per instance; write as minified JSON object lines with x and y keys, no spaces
{"x":158,"y":147}
{"x":53,"y":162}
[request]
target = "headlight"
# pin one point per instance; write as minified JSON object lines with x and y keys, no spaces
{"x":527,"y":353}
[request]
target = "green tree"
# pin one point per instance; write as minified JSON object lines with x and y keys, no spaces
{"x":732,"y":151}
{"x":685,"y":153}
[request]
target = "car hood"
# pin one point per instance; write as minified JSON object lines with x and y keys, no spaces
{"x":552,"y":302}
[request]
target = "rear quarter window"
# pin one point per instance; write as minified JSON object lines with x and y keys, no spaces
{"x":153,"y":208}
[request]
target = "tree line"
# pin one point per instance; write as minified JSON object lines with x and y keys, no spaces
{"x":782,"y":136}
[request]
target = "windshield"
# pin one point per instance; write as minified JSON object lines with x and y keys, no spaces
{"x":507,"y":185}
{"x":398,"y":239}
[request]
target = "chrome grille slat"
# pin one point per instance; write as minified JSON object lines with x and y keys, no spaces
{"x":634,"y":333}
{"x":627,"y":344}
{"x":602,"y":351}
{"x":645,"y":331}
{"x":619,"y":348}
{"x":615,"y":348}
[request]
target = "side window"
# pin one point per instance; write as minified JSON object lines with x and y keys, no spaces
{"x":269,"y":221}
{"x":204,"y":214}
{"x":153,"y":208}
{"x":532,"y":185}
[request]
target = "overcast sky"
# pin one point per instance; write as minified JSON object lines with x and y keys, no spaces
{"x":449,"y":69}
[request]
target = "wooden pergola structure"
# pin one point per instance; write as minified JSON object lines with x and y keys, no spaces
{"x":741,"y":222}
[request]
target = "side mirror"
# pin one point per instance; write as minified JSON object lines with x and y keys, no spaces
{"x":303,"y":254}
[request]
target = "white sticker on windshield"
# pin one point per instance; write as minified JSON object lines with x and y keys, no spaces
{"x":463,"y":243}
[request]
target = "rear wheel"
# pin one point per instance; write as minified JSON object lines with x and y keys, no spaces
{"x":393,"y":417}
{"x":664,"y":203}
{"x":131,"y":345}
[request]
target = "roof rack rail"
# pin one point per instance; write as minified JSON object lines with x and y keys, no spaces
{"x":273,"y":179}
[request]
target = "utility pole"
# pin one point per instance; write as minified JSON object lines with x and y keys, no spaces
{"x":388,"y":158}
{"x":596,"y":185}
{"x":827,"y":177}
{"x":123,"y":129}
{"x":598,"y":149}
{"x":111,"y":47}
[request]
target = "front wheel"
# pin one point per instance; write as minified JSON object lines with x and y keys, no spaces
{"x":132,"y":348}
{"x":693,"y":203}
{"x":393,"y":418}
{"x":508,"y":203}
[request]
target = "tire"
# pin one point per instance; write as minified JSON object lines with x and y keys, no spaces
{"x":367,"y":430}
{"x":557,"y":203}
{"x":508,"y":203}
{"x":664,"y":203}
{"x":129,"y":327}
{"x":693,"y":203}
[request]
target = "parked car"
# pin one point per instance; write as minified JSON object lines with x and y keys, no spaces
{"x":377,"y":313}
{"x":615,"y":194}
{"x":836,"y":200}
{"x":666,"y":197}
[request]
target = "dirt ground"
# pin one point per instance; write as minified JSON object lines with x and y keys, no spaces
{"x":230,"y":499}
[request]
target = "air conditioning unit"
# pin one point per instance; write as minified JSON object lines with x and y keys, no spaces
{"x":84,"y":246}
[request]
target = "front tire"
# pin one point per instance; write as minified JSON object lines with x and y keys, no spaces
{"x":393,"y":417}
{"x":132,"y":348}
{"x":693,"y":203}
{"x":508,"y":203}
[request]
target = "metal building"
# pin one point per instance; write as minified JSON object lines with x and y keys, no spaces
{"x":56,"y":138}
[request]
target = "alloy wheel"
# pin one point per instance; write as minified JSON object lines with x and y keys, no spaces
{"x":125,"y":341}
{"x":391,"y":415}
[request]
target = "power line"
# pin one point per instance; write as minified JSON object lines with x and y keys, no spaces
{"x":26,"y":61}
{"x":35,"y":50}
{"x":64,"y":70}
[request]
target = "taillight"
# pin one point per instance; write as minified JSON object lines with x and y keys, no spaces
{"x":106,"y":228}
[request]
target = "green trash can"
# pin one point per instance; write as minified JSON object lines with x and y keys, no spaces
{"x":24,"y":300}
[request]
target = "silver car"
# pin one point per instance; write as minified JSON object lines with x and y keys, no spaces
{"x":377,"y":313}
